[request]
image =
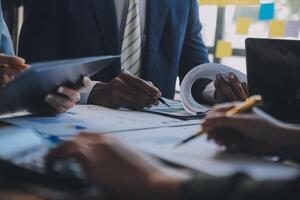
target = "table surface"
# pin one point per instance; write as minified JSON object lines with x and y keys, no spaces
{"x":10,"y":194}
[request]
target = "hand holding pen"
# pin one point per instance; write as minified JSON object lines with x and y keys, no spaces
{"x":240,"y":108}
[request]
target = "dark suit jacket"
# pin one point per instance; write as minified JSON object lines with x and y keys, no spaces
{"x":60,"y":29}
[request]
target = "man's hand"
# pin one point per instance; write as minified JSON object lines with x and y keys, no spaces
{"x":119,"y":169}
{"x":248,"y":133}
{"x":65,"y":98}
{"x":230,"y":91}
{"x":126,"y":91}
{"x":10,"y":66}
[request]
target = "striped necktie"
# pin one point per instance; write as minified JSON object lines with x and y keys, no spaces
{"x":132,"y":40}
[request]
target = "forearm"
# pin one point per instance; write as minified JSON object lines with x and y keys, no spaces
{"x":6,"y":46}
{"x":85,"y":93}
{"x":290,"y":140}
{"x":239,"y":186}
{"x":168,"y":188}
{"x":194,"y":51}
{"x":96,"y":93}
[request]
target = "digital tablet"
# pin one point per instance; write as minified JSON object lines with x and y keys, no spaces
{"x":273,"y":68}
{"x":28,"y":90}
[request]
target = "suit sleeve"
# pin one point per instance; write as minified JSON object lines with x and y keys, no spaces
{"x":238,"y":187}
{"x":194,"y":50}
{"x":43,"y":33}
{"x":6,"y":46}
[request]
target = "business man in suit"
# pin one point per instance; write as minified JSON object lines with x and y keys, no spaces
{"x":11,"y":65}
{"x":158,"y":40}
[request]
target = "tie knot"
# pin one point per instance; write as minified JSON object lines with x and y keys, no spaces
{"x":133,"y":2}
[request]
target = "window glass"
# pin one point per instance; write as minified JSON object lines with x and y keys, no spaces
{"x":284,"y":10}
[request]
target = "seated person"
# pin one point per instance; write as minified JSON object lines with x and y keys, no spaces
{"x":10,"y":66}
{"x":128,"y":174}
{"x":155,"y":42}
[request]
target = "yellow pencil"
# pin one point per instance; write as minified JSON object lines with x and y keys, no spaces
{"x":240,"y":108}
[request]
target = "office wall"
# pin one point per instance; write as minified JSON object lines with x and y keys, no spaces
{"x":246,"y":18}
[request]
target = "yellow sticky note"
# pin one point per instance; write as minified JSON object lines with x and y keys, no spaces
{"x":208,"y":2}
{"x":277,"y":28}
{"x":215,"y":2}
{"x":247,"y":2}
{"x":229,"y":2}
{"x":243,"y":25}
{"x":224,"y":49}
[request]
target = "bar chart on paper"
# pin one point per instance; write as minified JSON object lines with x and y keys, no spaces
{"x":95,"y":119}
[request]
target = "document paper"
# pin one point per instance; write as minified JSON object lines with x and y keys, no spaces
{"x":176,"y":110}
{"x":205,"y":71}
{"x":96,"y":119}
{"x":202,"y":155}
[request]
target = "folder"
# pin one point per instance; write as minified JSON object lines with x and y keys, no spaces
{"x":28,"y":90}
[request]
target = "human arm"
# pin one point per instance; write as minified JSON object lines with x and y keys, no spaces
{"x":195,"y":53}
{"x":125,"y":173}
{"x":239,"y":187}
{"x":61,"y":100}
{"x":126,"y":91}
{"x":10,"y":66}
{"x":257,"y":133}
{"x":223,"y":89}
{"x":6,"y":46}
{"x":119,"y":169}
{"x":65,"y":98}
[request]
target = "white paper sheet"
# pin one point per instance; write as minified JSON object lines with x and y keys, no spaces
{"x":176,"y":110}
{"x":202,"y":155}
{"x":96,"y":119}
{"x":207,"y":71}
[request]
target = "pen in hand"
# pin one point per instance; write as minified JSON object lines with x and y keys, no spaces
{"x":245,"y":106}
{"x":164,"y":102}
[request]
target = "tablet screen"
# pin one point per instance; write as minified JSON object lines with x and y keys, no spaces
{"x":273,"y":68}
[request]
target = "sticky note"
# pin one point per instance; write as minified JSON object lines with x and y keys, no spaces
{"x":224,"y":49}
{"x":229,"y":2}
{"x":243,"y":25}
{"x":246,"y":2}
{"x":208,"y":2}
{"x":292,"y":29}
{"x":266,"y":11}
{"x":277,"y":28}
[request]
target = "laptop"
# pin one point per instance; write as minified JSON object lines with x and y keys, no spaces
{"x":273,"y":68}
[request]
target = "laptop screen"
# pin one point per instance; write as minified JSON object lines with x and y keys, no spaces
{"x":273,"y":68}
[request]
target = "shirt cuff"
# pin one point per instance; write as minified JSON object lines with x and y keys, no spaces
{"x":208,"y":93}
{"x":85,"y":92}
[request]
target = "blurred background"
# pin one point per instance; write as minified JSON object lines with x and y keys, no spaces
{"x":230,"y":25}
